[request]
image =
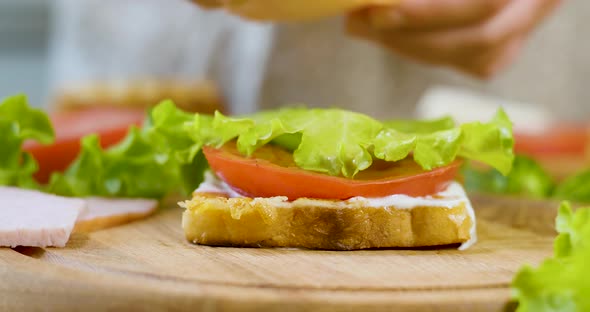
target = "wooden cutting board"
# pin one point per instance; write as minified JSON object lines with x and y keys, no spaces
{"x":148,"y":265}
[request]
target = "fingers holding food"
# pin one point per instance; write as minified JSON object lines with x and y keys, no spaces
{"x":481,"y":38}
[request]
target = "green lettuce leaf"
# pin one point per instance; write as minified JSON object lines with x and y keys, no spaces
{"x":561,"y":283}
{"x":393,"y":145}
{"x":282,"y":127}
{"x":491,"y":143}
{"x":136,"y":167}
{"x":339,"y":142}
{"x":31,"y":123}
{"x":573,"y":229}
{"x":166,"y":155}
{"x":421,"y":126}
{"x":557,"y":285}
{"x":331,"y":141}
{"x":20,"y":122}
{"x":169,"y":131}
{"x":438,"y":149}
{"x":526,"y":178}
{"x":575,"y":188}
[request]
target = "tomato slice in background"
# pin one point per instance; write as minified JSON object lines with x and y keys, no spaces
{"x":560,"y":139}
{"x":271,"y":171}
{"x":110,"y":123}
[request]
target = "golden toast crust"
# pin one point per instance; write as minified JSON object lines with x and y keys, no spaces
{"x":213,"y":219}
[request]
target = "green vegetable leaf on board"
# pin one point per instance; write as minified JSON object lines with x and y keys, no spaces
{"x":527,"y":177}
{"x":575,"y":188}
{"x":561,"y":283}
{"x":20,"y":122}
{"x":136,"y":167}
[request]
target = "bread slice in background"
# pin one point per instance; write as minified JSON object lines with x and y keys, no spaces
{"x":214,"y":219}
{"x":201,"y":96}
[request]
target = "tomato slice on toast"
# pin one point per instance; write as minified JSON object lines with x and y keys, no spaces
{"x":271,"y":171}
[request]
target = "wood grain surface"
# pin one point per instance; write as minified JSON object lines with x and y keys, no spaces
{"x":148,"y":265}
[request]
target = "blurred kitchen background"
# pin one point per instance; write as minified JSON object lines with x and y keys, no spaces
{"x":84,"y":52}
{"x":24,"y":48}
{"x":49,"y":48}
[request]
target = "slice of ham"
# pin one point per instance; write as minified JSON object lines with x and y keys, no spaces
{"x":103,"y":213}
{"x":35,"y":219}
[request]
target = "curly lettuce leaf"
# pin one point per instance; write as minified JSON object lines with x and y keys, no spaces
{"x":491,"y":143}
{"x":393,"y":145}
{"x":573,"y":229}
{"x":282,"y":127}
{"x":166,"y":153}
{"x":561,"y":283}
{"x":437,"y":149}
{"x":20,"y":122}
{"x":83,"y":176}
{"x":136,"y":167}
{"x":526,"y":178}
{"x":331,"y":141}
{"x":339,"y":142}
{"x":421,"y":126}
{"x":31,"y":123}
{"x":557,"y":285}
{"x":575,"y":188}
{"x":169,"y":130}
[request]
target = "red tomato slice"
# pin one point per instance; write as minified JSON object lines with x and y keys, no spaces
{"x":271,"y":171}
{"x":556,"y":140}
{"x":111,"y":124}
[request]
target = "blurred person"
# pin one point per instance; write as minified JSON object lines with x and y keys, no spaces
{"x":378,"y":60}
{"x":381,"y":60}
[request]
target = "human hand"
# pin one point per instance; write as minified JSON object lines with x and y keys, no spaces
{"x":208,"y":4}
{"x":479,"y":37}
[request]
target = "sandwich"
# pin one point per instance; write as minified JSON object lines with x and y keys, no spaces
{"x":295,"y":10}
{"x":201,"y":96}
{"x":294,"y":177}
{"x":330,"y":179}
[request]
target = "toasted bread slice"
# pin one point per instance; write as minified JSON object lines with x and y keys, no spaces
{"x":214,"y":219}
{"x":193,"y":96}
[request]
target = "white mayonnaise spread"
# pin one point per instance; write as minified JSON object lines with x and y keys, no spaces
{"x":452,"y":196}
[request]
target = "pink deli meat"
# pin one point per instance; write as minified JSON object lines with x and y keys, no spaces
{"x":107,"y":212}
{"x":36,"y":219}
